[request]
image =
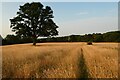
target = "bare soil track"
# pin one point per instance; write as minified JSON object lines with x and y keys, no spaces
{"x":60,"y":60}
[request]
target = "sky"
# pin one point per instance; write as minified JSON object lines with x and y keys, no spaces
{"x":73,"y":18}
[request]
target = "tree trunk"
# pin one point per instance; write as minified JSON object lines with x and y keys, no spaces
{"x":34,"y":41}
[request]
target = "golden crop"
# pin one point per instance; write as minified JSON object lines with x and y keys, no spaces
{"x":60,"y":60}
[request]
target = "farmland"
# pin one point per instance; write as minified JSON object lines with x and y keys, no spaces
{"x":60,"y":60}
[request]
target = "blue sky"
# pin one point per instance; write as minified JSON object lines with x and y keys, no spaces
{"x":71,"y":17}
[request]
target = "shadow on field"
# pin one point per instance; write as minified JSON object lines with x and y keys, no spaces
{"x":38,"y":45}
{"x":46,"y":45}
{"x":83,"y":67}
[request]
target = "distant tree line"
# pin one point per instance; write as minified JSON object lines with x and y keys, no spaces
{"x":113,"y":36}
{"x":12,"y":39}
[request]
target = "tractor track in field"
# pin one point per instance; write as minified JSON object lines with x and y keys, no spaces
{"x":82,"y":66}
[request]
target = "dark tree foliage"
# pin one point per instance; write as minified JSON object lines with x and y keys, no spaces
{"x":14,"y":39}
{"x":1,"y":40}
{"x":74,"y":38}
{"x":98,"y":37}
{"x":34,"y":20}
{"x":1,"y":37}
{"x":10,"y":39}
{"x":113,"y":36}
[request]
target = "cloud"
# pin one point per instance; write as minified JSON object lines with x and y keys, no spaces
{"x":82,"y":13}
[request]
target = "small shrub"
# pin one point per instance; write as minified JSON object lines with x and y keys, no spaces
{"x":89,"y":43}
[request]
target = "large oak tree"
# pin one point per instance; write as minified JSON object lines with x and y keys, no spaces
{"x":34,"y":20}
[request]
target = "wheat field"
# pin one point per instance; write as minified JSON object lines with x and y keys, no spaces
{"x":60,"y":60}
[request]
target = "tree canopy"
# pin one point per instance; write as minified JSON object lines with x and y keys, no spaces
{"x":34,"y":20}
